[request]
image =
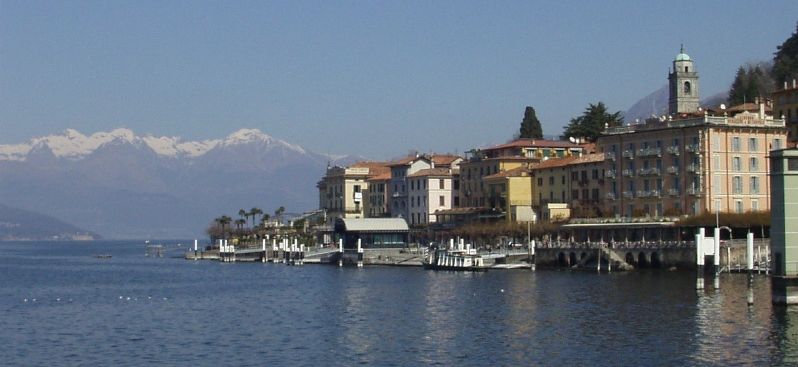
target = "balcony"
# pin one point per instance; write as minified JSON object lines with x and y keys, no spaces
{"x":673,"y":149}
{"x":610,"y":156}
{"x":694,"y":191}
{"x":673,"y":192}
{"x":649,"y":152}
{"x":693,"y":168}
{"x":611,"y":174}
{"x":673,"y":170}
{"x":628,"y":194}
{"x":628,"y":154}
{"x":693,"y":148}
{"x":653,"y":171}
{"x":610,"y":196}
{"x":628,"y":172}
{"x":648,"y":194}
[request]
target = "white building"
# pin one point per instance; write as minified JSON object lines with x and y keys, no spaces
{"x":430,"y":190}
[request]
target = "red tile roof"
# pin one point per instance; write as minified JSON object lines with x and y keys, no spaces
{"x":534,"y":143}
{"x":444,"y":172}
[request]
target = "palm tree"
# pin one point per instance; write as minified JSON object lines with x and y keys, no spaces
{"x":254,"y":212}
{"x":240,"y":223}
{"x":243,"y":213}
{"x":223,"y":221}
{"x":265,"y":218}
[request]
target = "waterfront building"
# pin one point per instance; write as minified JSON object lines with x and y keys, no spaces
{"x":691,"y":162}
{"x":691,"y":165}
{"x":373,"y":233}
{"x":785,"y":106}
{"x":431,"y":190}
{"x":401,"y":169}
{"x":378,"y":196}
{"x":576,"y":182}
{"x":480,"y":163}
{"x":510,"y":192}
{"x":342,"y":189}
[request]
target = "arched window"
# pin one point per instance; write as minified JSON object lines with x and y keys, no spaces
{"x":687,"y":88}
{"x":686,"y":69}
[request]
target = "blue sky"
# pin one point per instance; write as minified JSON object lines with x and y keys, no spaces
{"x":375,"y":78}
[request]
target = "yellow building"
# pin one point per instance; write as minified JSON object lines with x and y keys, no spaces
{"x":515,"y":154}
{"x":510,"y":192}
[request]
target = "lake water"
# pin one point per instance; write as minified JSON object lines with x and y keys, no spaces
{"x":135,"y":310}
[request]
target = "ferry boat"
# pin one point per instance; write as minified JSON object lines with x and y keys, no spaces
{"x":462,"y":258}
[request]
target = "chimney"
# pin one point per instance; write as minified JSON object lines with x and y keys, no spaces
{"x":761,"y":111}
{"x":785,"y":84}
{"x":793,"y":84}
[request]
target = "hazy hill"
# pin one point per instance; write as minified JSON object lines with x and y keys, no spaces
{"x":656,"y":104}
{"x":18,"y":224}
{"x":128,"y":186}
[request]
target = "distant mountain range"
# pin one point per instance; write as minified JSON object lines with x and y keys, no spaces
{"x":18,"y":224}
{"x":656,"y":104}
{"x":122,"y":185}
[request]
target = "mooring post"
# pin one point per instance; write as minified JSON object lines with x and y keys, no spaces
{"x":359,"y":254}
{"x":598,"y":259}
{"x":749,"y":253}
{"x":195,"y":249}
{"x":302,"y":254}
{"x":340,"y":252}
{"x":699,"y":261}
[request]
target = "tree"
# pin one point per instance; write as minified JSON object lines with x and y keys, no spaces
{"x":785,"y":61}
{"x":750,"y":82}
{"x":240,"y":223}
{"x":254,"y":212}
{"x":223,"y":221}
{"x":243,"y":213}
{"x":530,"y":125}
{"x":265,"y":218}
{"x":592,"y":122}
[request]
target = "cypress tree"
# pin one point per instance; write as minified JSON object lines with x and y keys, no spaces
{"x":530,"y":125}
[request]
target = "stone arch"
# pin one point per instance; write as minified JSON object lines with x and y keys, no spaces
{"x":688,"y":88}
{"x":656,"y":262}
{"x":582,"y":256}
{"x":572,"y":259}
{"x":561,"y":259}
{"x":642,"y":261}
{"x":630,"y":258}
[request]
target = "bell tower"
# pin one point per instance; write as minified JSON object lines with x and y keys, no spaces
{"x":683,"y":85}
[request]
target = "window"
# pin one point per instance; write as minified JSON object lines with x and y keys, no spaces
{"x":716,"y":184}
{"x":753,"y":145}
{"x":754,"y":205}
{"x":551,"y":180}
{"x":594,"y":174}
{"x":736,"y":144}
{"x":441,"y":200}
{"x":456,"y":184}
{"x":574,"y":194}
{"x":594,"y":194}
{"x":441,"y":184}
{"x":738,"y":206}
{"x":563,"y":179}
{"x":776,"y":144}
{"x":687,"y":88}
{"x":737,"y":184}
{"x":716,"y":162}
{"x":715,"y":143}
{"x":754,"y":185}
{"x":540,"y":181}
{"x":737,"y":165}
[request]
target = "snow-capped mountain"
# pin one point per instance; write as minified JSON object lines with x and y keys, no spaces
{"x":71,"y":144}
{"x":122,"y":185}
